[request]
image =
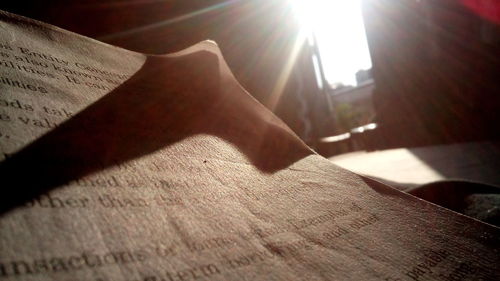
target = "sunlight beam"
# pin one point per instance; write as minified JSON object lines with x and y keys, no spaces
{"x":168,"y":21}
{"x":286,"y":71}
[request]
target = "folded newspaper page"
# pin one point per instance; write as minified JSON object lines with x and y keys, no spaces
{"x":131,"y":167}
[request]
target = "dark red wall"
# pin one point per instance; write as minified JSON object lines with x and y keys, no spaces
{"x":436,"y":68}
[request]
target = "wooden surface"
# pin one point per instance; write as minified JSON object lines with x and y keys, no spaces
{"x":406,"y":168}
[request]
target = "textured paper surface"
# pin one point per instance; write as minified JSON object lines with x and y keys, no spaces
{"x":123,"y":166}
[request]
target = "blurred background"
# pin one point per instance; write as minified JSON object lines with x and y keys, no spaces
{"x":407,"y":91}
{"x":424,"y":71}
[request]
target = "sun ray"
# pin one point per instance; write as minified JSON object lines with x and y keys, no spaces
{"x":287,"y":70}
{"x":168,"y":21}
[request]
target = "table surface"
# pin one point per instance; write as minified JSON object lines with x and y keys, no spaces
{"x":405,"y":168}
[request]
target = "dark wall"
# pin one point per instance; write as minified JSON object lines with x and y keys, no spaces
{"x":256,"y":38}
{"x":436,"y":68}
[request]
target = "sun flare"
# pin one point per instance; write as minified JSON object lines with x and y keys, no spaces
{"x":340,"y":33}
